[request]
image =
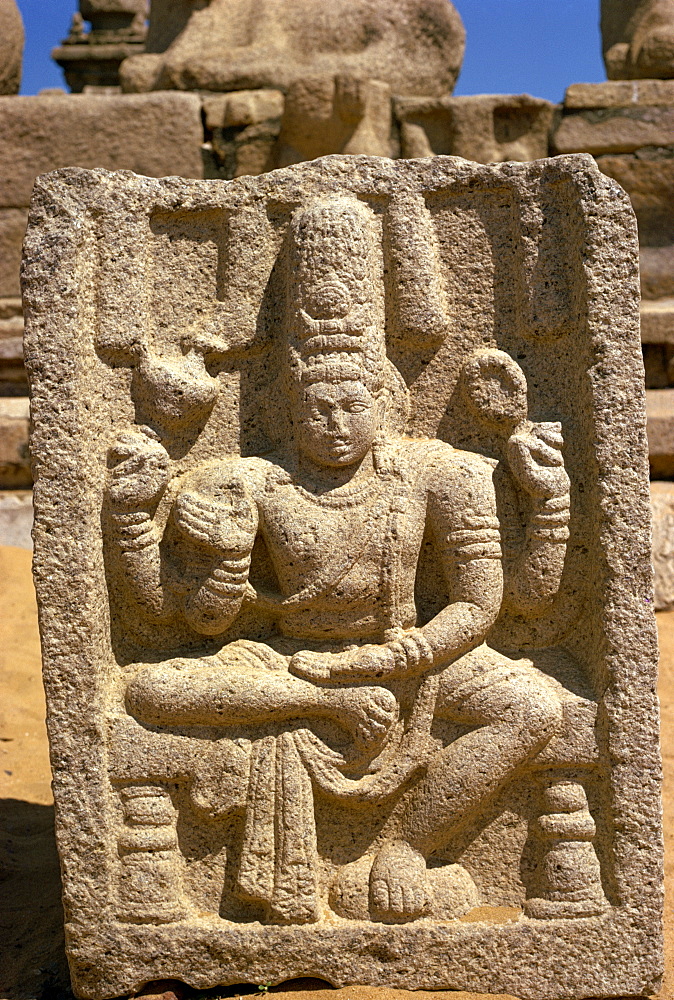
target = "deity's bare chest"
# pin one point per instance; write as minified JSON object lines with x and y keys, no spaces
{"x":308,"y":535}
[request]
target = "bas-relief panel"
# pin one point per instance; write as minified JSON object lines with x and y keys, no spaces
{"x":348,"y":535}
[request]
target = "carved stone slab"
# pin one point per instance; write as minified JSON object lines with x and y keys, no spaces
{"x":342,"y":558}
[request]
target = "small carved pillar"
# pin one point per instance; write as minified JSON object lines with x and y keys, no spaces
{"x":568,"y":877}
{"x":149,"y":888}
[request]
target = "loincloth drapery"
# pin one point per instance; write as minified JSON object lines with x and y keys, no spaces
{"x":274,"y":776}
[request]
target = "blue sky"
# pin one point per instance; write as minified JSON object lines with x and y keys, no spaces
{"x":514,"y":46}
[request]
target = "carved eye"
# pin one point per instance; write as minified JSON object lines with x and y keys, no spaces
{"x":327,"y":300}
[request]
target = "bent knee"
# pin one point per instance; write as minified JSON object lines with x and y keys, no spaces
{"x":539,"y":713}
{"x":149,"y":694}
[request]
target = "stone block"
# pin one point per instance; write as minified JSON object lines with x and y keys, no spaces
{"x":153,"y":134}
{"x":648,"y":178}
{"x":339,"y":114}
{"x":12,"y":371}
{"x":614,"y":130}
{"x":14,"y":455}
{"x":243,"y":107}
{"x":11,"y":47}
{"x":619,"y":94}
{"x":657,"y":339}
{"x":415,"y":46}
{"x":243,"y":127}
{"x":657,"y":271}
{"x":16,"y":518}
{"x":662,"y":503}
{"x":486,"y":128}
{"x":657,"y":321}
{"x":660,"y":411}
{"x":342,"y":526}
{"x":12,"y":231}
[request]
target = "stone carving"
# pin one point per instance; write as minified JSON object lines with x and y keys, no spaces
{"x":638,"y":39}
{"x":331,"y":521}
{"x":486,"y":128}
{"x":11,"y":47}
{"x":414,"y":46}
{"x":91,"y":60}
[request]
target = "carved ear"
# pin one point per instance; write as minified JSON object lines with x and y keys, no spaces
{"x":397,"y":403}
{"x":495,"y":388}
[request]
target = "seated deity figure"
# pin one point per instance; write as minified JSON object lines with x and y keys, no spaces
{"x":343,"y":696}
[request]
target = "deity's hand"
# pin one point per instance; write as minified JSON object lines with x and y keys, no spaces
{"x":222,"y":525}
{"x":535,"y":458}
{"x":369,"y":662}
{"x":140,"y":469}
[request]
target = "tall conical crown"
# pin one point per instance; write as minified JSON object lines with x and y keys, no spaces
{"x":335,"y":308}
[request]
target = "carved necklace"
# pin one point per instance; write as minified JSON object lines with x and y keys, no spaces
{"x":343,"y":496}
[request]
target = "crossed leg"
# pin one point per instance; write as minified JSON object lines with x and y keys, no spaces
{"x":249,"y":683}
{"x":517,"y":712}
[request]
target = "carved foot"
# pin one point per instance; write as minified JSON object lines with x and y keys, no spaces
{"x":369,"y":712}
{"x":398,"y":884}
{"x":449,"y":889}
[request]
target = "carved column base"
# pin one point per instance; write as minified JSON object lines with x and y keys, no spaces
{"x":568,"y":877}
{"x":149,"y":888}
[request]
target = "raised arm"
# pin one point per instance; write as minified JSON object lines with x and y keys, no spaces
{"x":533,"y":568}
{"x":139,"y":470}
{"x":221,"y":524}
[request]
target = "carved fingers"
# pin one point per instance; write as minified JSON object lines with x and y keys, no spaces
{"x":398,"y":884}
{"x":369,"y":662}
{"x":536,"y":461}
{"x":376,"y":710}
{"x":216,"y":524}
{"x":139,"y":469}
{"x":312,"y":666}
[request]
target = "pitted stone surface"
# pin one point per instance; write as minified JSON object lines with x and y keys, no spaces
{"x":342,"y":553}
{"x":11,"y":47}
{"x":414,"y":46}
{"x":638,"y":39}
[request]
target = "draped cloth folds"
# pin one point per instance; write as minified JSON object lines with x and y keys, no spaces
{"x":279,"y":858}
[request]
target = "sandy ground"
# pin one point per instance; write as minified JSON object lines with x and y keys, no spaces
{"x":32,"y":962}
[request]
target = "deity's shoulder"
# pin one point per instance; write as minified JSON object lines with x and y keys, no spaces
{"x":251,"y":474}
{"x":439,"y":467}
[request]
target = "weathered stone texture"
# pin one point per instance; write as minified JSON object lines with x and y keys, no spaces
{"x":486,"y":128}
{"x":12,"y":230}
{"x":638,"y":38}
{"x":14,"y":456}
{"x":615,"y":130}
{"x":648,"y":178}
{"x":342,"y":553}
{"x":660,"y":410}
{"x":11,"y":47}
{"x":415,"y":46}
{"x":154,"y":134}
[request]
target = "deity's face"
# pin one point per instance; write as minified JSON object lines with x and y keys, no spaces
{"x":337,"y":422}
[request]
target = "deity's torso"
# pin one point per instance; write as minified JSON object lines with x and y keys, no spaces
{"x":354,"y":551}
